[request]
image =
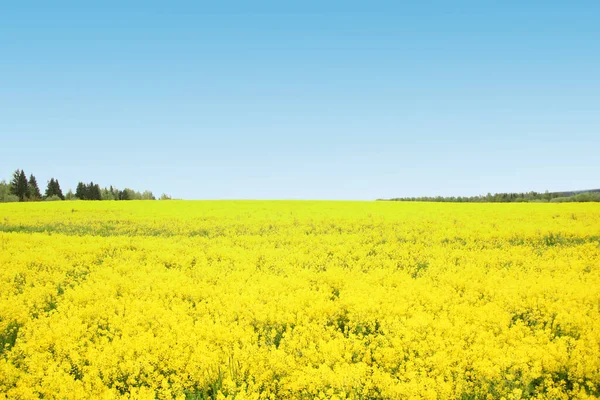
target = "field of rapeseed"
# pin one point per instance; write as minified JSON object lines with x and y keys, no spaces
{"x":249,"y":300}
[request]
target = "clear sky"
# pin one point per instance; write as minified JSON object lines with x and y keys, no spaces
{"x":302,"y":99}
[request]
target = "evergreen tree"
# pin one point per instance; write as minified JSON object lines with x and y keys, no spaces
{"x":90,"y":191}
{"x":80,"y":191}
{"x":94,"y":191}
{"x":58,"y":190}
{"x":53,"y":189}
{"x":34,"y":189}
{"x":49,"y":188}
{"x":19,"y":186}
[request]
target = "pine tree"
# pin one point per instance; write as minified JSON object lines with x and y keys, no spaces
{"x":49,"y":189}
{"x":80,"y":191}
{"x":34,"y":189}
{"x":53,"y":189}
{"x":58,"y":190}
{"x":14,"y":183}
{"x":95,"y":191}
{"x":19,"y":186}
{"x":90,"y":191}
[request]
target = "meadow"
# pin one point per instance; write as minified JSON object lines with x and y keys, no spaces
{"x":268,"y":299}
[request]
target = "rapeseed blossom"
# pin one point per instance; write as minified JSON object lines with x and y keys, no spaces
{"x":271,"y":300}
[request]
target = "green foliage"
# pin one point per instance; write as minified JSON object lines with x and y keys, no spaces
{"x":90,"y":191}
{"x":107,"y":194}
{"x":530,"y":197}
{"x":581,"y":197}
{"x":22,"y":189}
{"x":70,"y":195}
{"x":54,"y":197}
{"x":19,"y":185}
{"x":80,"y":191}
{"x":147,"y":195}
{"x":8,"y":337}
{"x":10,"y":198}
{"x":4,"y":190}
{"x":132,"y":194}
{"x":34,"y":189}
{"x":114,"y":191}
{"x":124,"y":195}
{"x":54,"y":189}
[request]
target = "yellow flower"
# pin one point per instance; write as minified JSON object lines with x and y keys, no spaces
{"x":270,"y":300}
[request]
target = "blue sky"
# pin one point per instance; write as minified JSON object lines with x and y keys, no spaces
{"x":302,"y":100}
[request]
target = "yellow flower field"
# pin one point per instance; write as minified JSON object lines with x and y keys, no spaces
{"x":259,"y":299}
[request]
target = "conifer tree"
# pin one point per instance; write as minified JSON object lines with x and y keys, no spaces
{"x":53,"y":189}
{"x":58,"y":190}
{"x":34,"y":189}
{"x":49,"y":188}
{"x":93,"y":191}
{"x":80,"y":191}
{"x":96,"y":194}
{"x":19,"y":186}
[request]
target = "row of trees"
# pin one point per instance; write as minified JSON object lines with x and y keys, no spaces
{"x":529,"y":197}
{"x":92,"y":191}
{"x":20,"y":188}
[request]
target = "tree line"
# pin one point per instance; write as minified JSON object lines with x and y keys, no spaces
{"x":21,"y":188}
{"x":529,"y":197}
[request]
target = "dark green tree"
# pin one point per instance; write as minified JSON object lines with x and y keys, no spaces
{"x":94,"y":192}
{"x":81,"y":191}
{"x":58,"y":190}
{"x":53,"y":189}
{"x":50,"y":188}
{"x":34,"y":189}
{"x":90,"y":191}
{"x":19,"y":186}
{"x":124,"y":195}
